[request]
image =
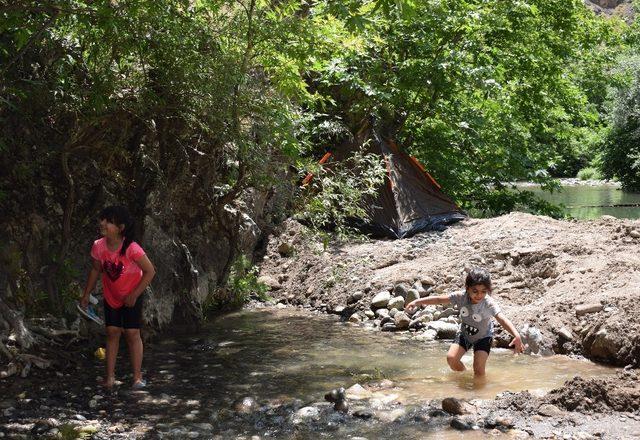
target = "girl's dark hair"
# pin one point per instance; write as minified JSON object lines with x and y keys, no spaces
{"x":119,"y":215}
{"x":478,"y":276}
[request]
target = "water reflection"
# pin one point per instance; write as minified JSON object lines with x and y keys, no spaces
{"x":589,"y":202}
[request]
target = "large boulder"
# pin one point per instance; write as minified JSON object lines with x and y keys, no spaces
{"x":444,"y":330}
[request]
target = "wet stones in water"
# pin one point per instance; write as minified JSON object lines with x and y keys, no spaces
{"x":393,"y":312}
{"x":382,"y":313}
{"x":338,"y":397}
{"x":386,"y":320}
{"x":457,"y":406}
{"x":342,"y":406}
{"x":502,"y":423}
{"x":364,"y":414}
{"x":245,"y":405}
{"x":335,"y":395}
{"x":462,"y":423}
{"x":389,"y":327}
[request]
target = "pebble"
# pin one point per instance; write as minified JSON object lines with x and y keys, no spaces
{"x":584,"y":309}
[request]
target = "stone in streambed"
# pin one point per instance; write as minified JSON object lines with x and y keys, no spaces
{"x":386,"y":320}
{"x":363,"y":414}
{"x":588,"y":308}
{"x":335,"y":394}
{"x":342,"y":406}
{"x":402,"y":321}
{"x":412,"y":295}
{"x":393,"y":312}
{"x":462,"y":423}
{"x":355,"y":318}
{"x":389,"y":327}
{"x":400,"y":290}
{"x":380,"y":300}
{"x":245,"y":405}
{"x":382,"y":313}
{"x":396,"y":303}
{"x":355,"y":297}
{"x":456,"y":406}
{"x":444,"y":330}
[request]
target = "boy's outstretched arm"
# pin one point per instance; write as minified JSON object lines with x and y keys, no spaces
{"x":425,"y":301}
{"x":508,"y":325}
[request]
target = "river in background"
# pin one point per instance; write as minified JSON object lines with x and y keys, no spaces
{"x":584,"y":201}
{"x":591,"y":201}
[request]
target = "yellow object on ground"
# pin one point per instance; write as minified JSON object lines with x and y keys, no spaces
{"x":100,"y":353}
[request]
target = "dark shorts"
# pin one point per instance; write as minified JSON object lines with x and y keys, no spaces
{"x":483,"y":344}
{"x":124,"y":317}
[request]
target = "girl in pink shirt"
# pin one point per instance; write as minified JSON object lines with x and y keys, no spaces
{"x":126,"y":273}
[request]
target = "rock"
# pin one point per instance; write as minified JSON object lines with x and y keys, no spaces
{"x":634,"y":233}
{"x":417,"y":323}
{"x":444,"y":330}
{"x":402,"y":321}
{"x":461,"y":424}
{"x":400,"y":290}
{"x":492,"y":421}
{"x":549,"y":410}
{"x":380,"y":300}
{"x":357,"y":392}
{"x":245,"y":405}
{"x":342,"y":406}
{"x":393,"y":312}
{"x":304,"y":414}
{"x":389,"y":327}
{"x":391,"y":416}
{"x":355,"y":318}
{"x":588,"y":308}
{"x":457,"y":407}
{"x":270,"y":282}
{"x":335,"y":394}
{"x":370,"y":314}
{"x":286,"y":249}
{"x":412,"y":295}
{"x":418,"y":287}
{"x":386,"y":320}
{"x":382,"y":313}
{"x":428,"y":335}
{"x":448,"y":312}
{"x":355,"y":297}
{"x":565,"y":333}
{"x":338,"y":310}
{"x":396,"y":303}
{"x":534,"y":342}
{"x":427,"y":282}
{"x":363,"y":414}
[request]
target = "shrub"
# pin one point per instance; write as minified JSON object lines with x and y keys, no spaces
{"x":589,"y":173}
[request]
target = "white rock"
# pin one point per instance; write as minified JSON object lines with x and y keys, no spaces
{"x":381,"y":299}
{"x":444,"y":330}
{"x":397,"y":303}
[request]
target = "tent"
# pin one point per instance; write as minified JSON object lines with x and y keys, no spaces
{"x":409,"y":201}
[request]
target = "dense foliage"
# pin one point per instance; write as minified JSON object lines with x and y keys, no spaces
{"x":179,"y":106}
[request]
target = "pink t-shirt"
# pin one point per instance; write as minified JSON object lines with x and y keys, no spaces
{"x":120,"y":273}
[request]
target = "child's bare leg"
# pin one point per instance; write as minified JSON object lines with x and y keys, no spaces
{"x":479,"y":362}
{"x":453,"y":357}
{"x":113,"y":342}
{"x":134,"y":341}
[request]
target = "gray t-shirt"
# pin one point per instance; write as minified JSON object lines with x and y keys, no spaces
{"x":476,"y":320}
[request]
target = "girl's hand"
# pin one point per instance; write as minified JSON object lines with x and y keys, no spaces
{"x":84,"y":301}
{"x":518,"y":347}
{"x":130,"y":300}
{"x":409,"y":308}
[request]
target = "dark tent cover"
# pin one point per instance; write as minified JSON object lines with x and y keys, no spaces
{"x":409,"y":201}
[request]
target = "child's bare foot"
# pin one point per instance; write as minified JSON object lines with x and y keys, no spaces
{"x":109,"y":382}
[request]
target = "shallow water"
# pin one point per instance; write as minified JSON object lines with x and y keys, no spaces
{"x":277,"y":355}
{"x":590,"y":202}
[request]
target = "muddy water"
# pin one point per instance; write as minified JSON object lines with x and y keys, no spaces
{"x":277,"y":356}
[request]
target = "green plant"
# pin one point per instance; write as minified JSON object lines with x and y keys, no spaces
{"x":241,"y":284}
{"x":589,"y":173}
{"x":336,"y":194}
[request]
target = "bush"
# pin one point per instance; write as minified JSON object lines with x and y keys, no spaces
{"x":589,"y":173}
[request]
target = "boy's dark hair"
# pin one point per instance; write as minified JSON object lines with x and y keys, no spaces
{"x":119,"y":215}
{"x":478,"y":276}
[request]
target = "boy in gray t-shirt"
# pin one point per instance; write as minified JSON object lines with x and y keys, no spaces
{"x":477,"y":310}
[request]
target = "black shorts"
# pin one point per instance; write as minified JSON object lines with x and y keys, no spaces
{"x":483,"y":344}
{"x":124,"y":317}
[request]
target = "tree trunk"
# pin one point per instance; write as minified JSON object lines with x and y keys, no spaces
{"x":16,"y":322}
